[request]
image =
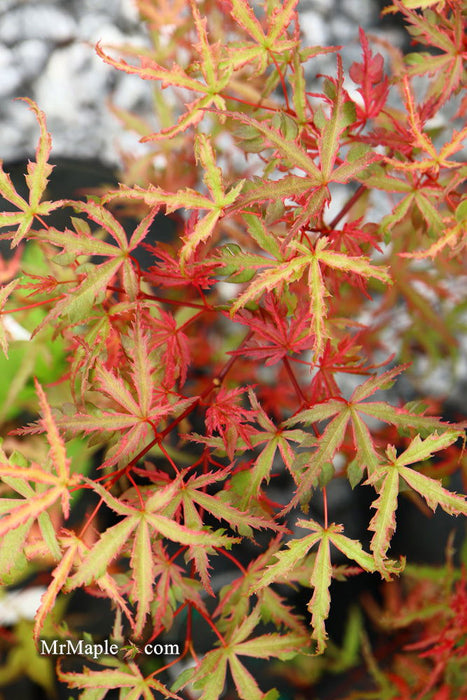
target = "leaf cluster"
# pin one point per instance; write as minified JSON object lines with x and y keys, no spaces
{"x":222,"y":369}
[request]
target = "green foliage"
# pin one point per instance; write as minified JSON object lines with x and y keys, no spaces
{"x":198,"y":398}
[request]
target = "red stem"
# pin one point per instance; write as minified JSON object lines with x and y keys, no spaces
{"x":210,"y":623}
{"x":294,"y":381}
{"x":354,"y":198}
{"x":91,"y":518}
{"x":281,"y":78}
{"x":232,"y":558}
{"x":325,"y":503}
{"x":32,"y":306}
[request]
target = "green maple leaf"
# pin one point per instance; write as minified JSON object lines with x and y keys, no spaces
{"x":36,"y":180}
{"x":344,"y":413}
{"x":320,"y":579}
{"x":306,"y":262}
{"x":133,"y":535}
{"x":209,"y":674}
{"x":51,"y":484}
{"x":22,"y":660}
{"x":213,"y":79}
{"x":125,"y":677}
{"x":386,"y":479}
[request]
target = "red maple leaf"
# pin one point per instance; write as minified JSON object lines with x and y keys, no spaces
{"x":166,"y":272}
{"x":374,"y":86}
{"x":228,"y":418}
{"x":176,"y":353}
{"x":275,"y":335}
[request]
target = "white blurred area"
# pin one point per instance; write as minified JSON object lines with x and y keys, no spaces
{"x":20,"y":604}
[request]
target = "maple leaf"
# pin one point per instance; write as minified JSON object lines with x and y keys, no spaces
{"x":445,"y":645}
{"x":100,"y":341}
{"x":427,"y":201}
{"x":304,"y":260}
{"x":209,"y":674}
{"x":344,"y":413}
{"x":281,"y":336}
{"x":309,"y":192}
{"x":92,"y":287}
{"x":193,"y":499}
{"x":119,"y":675}
{"x":374,"y":86}
{"x":172,"y":587}
{"x":353,"y":237}
{"x":264,"y":45}
{"x":234,"y":599}
{"x":386,"y":479}
{"x":419,"y":139}
{"x":213,"y":79}
{"x":73,"y":551}
{"x":36,"y":180}
{"x":442,"y":31}
{"x":283,"y":137}
{"x":188,"y":198}
{"x":277,"y":438}
{"x":193,"y":491}
{"x":140,"y":404}
{"x":51,"y":483}
{"x":297,"y":549}
{"x":342,"y":115}
{"x":342,"y":357}
{"x":454,"y":237}
{"x":176,"y":351}
{"x":226,"y":417}
{"x":167,"y":271}
{"x":133,"y":535}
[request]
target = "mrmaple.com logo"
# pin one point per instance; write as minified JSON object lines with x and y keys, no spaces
{"x":82,"y":647}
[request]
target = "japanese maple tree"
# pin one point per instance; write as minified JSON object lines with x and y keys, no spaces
{"x":200,"y":381}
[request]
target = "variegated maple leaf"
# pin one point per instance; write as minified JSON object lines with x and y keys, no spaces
{"x":341,"y":414}
{"x":216,"y":204}
{"x":125,"y":677}
{"x":212,"y":79}
{"x":134,"y":405}
{"x":308,"y":262}
{"x":210,"y":672}
{"x":36,"y":180}
{"x":91,"y":286}
{"x":320,"y":580}
{"x":132,"y":537}
{"x":387,"y":479}
{"x":39,"y":487}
